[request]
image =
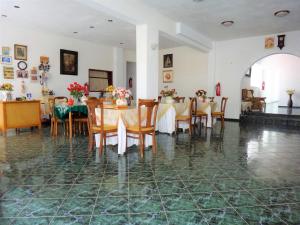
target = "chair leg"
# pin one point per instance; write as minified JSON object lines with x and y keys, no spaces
{"x":101,"y":144}
{"x":212,"y":122}
{"x":141,"y":145}
{"x":104,"y":136}
{"x":190,"y":128}
{"x":55,"y":127}
{"x":222,"y":121}
{"x":176,"y":126}
{"x":91,"y":141}
{"x":206,"y":118}
{"x":154,"y":146}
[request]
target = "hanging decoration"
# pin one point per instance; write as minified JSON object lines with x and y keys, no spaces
{"x":44,"y":68}
{"x":281,"y":39}
{"x":33,"y":74}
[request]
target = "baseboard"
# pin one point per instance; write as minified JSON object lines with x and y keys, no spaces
{"x":230,"y":120}
{"x":294,"y":107}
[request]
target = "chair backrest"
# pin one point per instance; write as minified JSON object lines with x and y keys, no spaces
{"x":60,"y":99}
{"x":159,"y":98}
{"x":193,"y":101}
{"x":151,"y":107}
{"x":179,"y":99}
{"x":211,"y":99}
{"x":92,"y":119}
{"x":223,"y":104}
{"x":92,"y":98}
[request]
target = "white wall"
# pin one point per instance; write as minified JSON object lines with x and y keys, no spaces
{"x":232,"y":59}
{"x":90,"y":55}
{"x":190,"y":68}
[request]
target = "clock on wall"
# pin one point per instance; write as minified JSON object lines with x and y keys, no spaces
{"x":22,"y":65}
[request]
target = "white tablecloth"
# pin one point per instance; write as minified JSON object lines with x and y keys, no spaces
{"x":121,"y":117}
{"x":207,"y":107}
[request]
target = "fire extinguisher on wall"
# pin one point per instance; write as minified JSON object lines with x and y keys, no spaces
{"x":218,"y":89}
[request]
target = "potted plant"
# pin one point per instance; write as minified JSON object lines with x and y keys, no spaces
{"x":6,"y":90}
{"x":290,"y":92}
{"x":122,"y":96}
{"x":76,"y":91}
{"x":168,"y":94}
{"x":201,"y":94}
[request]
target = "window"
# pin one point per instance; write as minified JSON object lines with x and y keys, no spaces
{"x":99,"y":80}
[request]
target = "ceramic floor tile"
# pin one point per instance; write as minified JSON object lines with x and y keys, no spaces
{"x":140,"y":204}
{"x":209,"y":200}
{"x":111,"y":205}
{"x":110,"y":219}
{"x":289,"y":213}
{"x":222,"y":216}
{"x":77,"y":206}
{"x":71,"y":220}
{"x":148,"y":219}
{"x":186,"y":217}
{"x":176,"y":202}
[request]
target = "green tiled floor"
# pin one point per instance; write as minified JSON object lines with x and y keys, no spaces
{"x":245,"y":175}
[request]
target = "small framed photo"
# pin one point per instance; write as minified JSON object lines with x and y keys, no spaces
{"x":68,"y":62}
{"x":168,"y":76}
{"x":5,"y":51}
{"x":8,"y":72}
{"x":20,"y":52}
{"x":269,"y":42}
{"x":6,"y":59}
{"x":168,"y":60}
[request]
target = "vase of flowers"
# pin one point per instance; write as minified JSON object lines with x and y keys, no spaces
{"x":6,"y":91}
{"x":76,"y":91}
{"x":122,"y":96}
{"x":201,"y":94}
{"x":109,"y":90}
{"x":168,"y":94}
{"x":290,"y":92}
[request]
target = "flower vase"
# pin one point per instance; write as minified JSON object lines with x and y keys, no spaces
{"x":6,"y":95}
{"x":76,"y":100}
{"x":290,"y":102}
{"x":121,"y":102}
{"x":169,"y":99}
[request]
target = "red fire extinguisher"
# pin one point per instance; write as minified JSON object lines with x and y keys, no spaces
{"x":218,"y":89}
{"x":263,"y":86}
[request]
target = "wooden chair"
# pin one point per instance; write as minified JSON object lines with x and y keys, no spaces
{"x":211,"y":99}
{"x":220,"y":114}
{"x":179,"y":99}
{"x":101,"y":128}
{"x":186,"y":118}
{"x":199,"y":114}
{"x":54,"y":120}
{"x":159,"y":98}
{"x":145,"y":126}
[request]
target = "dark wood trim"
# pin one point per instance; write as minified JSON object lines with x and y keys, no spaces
{"x":109,"y":78}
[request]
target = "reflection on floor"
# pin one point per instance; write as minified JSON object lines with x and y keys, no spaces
{"x":247,"y":175}
{"x":274,"y":109}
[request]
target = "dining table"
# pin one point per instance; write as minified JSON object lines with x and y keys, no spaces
{"x":122,"y":117}
{"x":208,"y":107}
{"x":63,"y":111}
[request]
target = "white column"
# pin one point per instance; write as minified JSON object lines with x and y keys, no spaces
{"x":119,"y":74}
{"x":211,"y":82}
{"x":147,"y":66}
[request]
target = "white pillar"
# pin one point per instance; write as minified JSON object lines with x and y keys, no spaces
{"x":211,"y":82}
{"x":119,"y":74}
{"x":147,"y":66}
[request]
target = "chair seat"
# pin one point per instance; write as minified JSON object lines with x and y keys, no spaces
{"x":201,"y":113}
{"x":143,"y":129}
{"x":81,"y":119}
{"x":106,"y":128}
{"x":183,"y":117}
{"x":217,"y":114}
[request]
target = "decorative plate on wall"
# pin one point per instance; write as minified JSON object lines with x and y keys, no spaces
{"x":22,"y":65}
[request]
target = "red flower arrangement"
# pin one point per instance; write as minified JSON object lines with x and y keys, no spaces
{"x":76,"y":90}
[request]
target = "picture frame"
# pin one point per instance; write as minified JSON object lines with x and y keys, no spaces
{"x":68,"y":62}
{"x":5,"y":51}
{"x":168,"y":76}
{"x":8,"y":72}
{"x":269,"y":42}
{"x":20,"y":52}
{"x":168,"y":60}
{"x":6,"y":59}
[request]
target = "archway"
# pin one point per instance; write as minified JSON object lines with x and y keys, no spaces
{"x":268,"y":79}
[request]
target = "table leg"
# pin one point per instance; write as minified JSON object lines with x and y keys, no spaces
{"x":70,"y":125}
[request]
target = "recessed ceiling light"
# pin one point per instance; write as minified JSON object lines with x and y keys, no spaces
{"x":4,"y":16}
{"x":227,"y":23}
{"x":16,"y":6}
{"x":92,"y":27}
{"x":75,"y":32}
{"x":197,"y":1}
{"x":110,"y":20}
{"x":121,"y":43}
{"x":282,"y":13}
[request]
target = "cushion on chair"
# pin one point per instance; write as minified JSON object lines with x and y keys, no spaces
{"x":217,"y":114}
{"x":182,"y":117}
{"x":106,"y":128}
{"x":201,"y":113}
{"x":143,"y":129}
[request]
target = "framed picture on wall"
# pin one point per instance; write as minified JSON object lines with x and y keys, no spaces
{"x":168,"y":76}
{"x":68,"y":62}
{"x":168,"y":60}
{"x":6,"y":59}
{"x":20,"y":52}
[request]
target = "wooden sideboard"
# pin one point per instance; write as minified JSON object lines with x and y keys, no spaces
{"x":19,"y":114}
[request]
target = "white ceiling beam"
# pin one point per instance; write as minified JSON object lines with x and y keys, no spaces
{"x":136,"y":12}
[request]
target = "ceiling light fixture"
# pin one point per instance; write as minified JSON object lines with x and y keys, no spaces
{"x":197,"y":1}
{"x":75,"y":32}
{"x":227,"y":23}
{"x":110,"y":20}
{"x":121,"y":43}
{"x":92,"y":27}
{"x":4,"y":16}
{"x":16,"y":6}
{"x":282,"y":13}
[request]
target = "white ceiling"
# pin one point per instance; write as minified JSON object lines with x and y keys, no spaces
{"x":252,"y":17}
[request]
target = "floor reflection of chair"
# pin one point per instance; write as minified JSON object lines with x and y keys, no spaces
{"x":98,"y":126}
{"x":145,"y":126}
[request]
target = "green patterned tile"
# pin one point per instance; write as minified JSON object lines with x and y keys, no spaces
{"x":224,"y":216}
{"x":89,"y":178}
{"x":11,"y":208}
{"x":113,"y":189}
{"x":53,"y":191}
{"x":289,"y":213}
{"x":110,"y":219}
{"x":240,"y":198}
{"x":21,"y":192}
{"x":41,"y":207}
{"x":77,"y":206}
{"x":37,"y":179}
{"x":32,"y":221}
{"x":150,"y":203}
{"x":176,"y":202}
{"x":226,"y":185}
{"x":63,"y":178}
{"x":143,"y":188}
{"x":5,"y":221}
{"x":111,"y":205}
{"x":186,"y":217}
{"x":148,"y":219}
{"x":71,"y":220}
{"x":169,"y":187}
{"x":274,"y":196}
{"x":137,"y":177}
{"x":84,"y":190}
{"x":199,"y":186}
{"x":121,"y":177}
{"x":209,"y":200}
{"x":259,"y":215}
{"x":251,"y":183}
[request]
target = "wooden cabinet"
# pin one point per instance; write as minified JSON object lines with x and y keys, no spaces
{"x":19,"y":114}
